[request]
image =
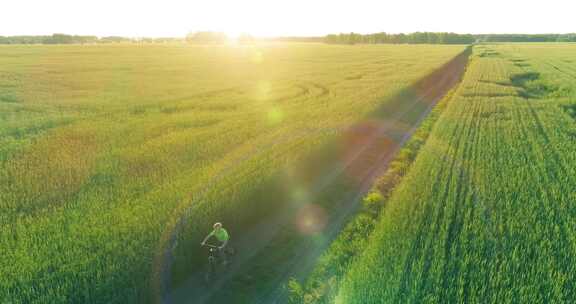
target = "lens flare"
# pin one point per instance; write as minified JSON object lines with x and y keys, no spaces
{"x":311,"y":219}
{"x":299,"y":195}
{"x":275,"y":116}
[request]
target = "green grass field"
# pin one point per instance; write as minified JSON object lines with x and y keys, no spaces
{"x":104,"y":149}
{"x":486,"y":212}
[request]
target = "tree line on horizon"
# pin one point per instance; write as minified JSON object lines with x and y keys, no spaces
{"x":442,"y":38}
{"x":571,"y":37}
{"x":413,"y":38}
{"x":202,"y":37}
{"x":208,"y":37}
{"x":79,"y":39}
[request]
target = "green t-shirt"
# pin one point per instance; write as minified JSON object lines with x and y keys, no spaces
{"x":221,"y":234}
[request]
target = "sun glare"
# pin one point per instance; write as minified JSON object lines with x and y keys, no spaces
{"x":232,"y":36}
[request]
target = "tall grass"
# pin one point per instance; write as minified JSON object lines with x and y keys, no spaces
{"x":486,"y":212}
{"x":106,"y":148}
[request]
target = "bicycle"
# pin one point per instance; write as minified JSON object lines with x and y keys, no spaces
{"x":215,"y":253}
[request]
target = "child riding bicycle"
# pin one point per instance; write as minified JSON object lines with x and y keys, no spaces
{"x":222,"y":236}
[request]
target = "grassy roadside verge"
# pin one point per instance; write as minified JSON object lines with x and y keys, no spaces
{"x":321,"y":286}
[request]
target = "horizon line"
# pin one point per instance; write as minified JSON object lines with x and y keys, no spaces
{"x":280,"y":36}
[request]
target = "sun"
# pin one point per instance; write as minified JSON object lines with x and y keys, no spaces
{"x":233,"y":34}
{"x":235,"y":37}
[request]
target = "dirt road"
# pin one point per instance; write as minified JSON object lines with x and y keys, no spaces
{"x":288,"y":243}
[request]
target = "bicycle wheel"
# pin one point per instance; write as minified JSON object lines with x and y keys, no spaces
{"x":211,"y":271}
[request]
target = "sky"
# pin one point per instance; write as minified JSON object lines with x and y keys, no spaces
{"x":175,"y":18}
